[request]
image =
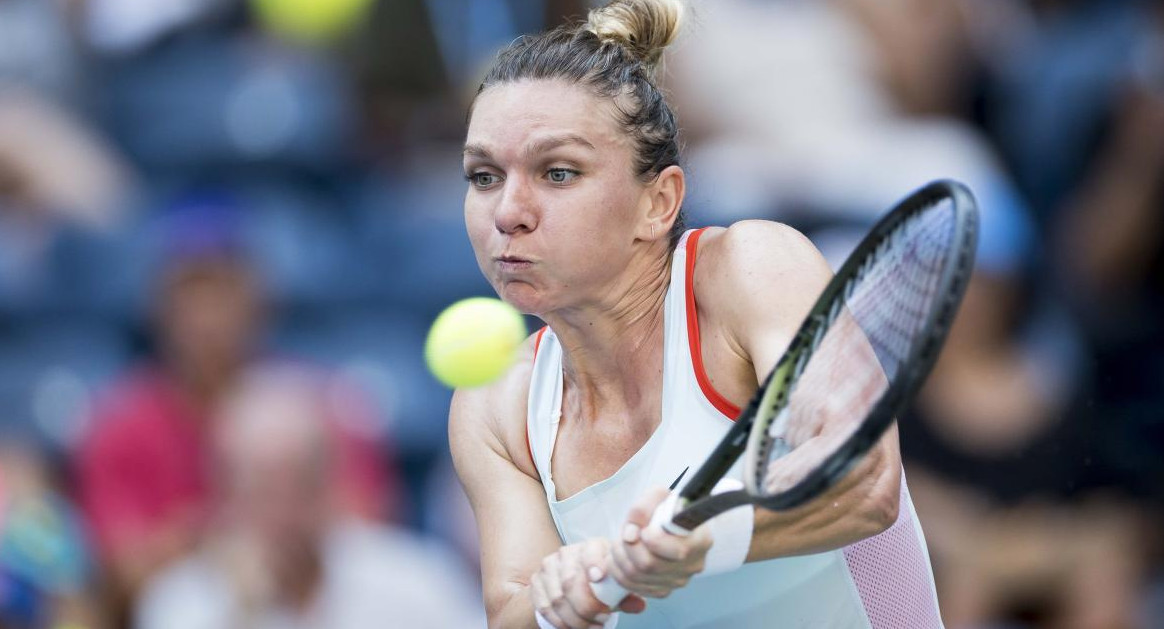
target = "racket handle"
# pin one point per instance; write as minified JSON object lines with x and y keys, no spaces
{"x":663,"y":514}
{"x":609,"y":591}
{"x":545,"y":624}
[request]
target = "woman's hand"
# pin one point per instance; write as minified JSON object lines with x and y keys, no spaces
{"x":652,"y":562}
{"x":560,"y":589}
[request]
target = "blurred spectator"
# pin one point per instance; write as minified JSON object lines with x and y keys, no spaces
{"x":407,"y":93}
{"x":144,"y":471}
{"x":418,"y":62}
{"x":1051,"y":85}
{"x":1007,"y":445}
{"x":813,"y":135}
{"x":282,"y":553}
{"x":1041,"y":562}
{"x":839,"y":108}
{"x":63,"y":196}
{"x":45,"y":570}
{"x":59,"y":184}
{"x":1088,"y":98}
{"x":126,"y":26}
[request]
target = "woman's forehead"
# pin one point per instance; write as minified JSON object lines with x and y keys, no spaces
{"x":513,"y":116}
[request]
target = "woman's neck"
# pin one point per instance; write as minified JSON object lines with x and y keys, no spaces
{"x":613,"y":348}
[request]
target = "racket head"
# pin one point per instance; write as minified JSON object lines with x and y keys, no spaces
{"x":750,"y":435}
{"x":864,"y":350}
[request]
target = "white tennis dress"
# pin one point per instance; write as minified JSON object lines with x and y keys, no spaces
{"x":882,"y":582}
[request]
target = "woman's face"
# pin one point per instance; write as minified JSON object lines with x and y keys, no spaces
{"x":553,"y":202}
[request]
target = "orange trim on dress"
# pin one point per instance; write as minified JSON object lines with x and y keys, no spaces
{"x":722,"y":404}
{"x":528,"y":448}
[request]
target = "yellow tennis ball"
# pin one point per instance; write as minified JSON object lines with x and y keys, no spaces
{"x":310,"y":21}
{"x":474,"y":341}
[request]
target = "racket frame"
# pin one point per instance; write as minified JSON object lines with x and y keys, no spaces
{"x":696,"y":505}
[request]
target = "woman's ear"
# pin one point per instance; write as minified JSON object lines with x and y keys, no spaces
{"x":661,"y":201}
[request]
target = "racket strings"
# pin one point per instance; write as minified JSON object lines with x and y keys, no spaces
{"x":862,"y":340}
{"x":894,"y":299}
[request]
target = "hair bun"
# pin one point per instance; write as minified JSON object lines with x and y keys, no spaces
{"x":645,"y":27}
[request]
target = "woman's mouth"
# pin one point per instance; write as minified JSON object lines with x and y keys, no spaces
{"x":513,"y":263}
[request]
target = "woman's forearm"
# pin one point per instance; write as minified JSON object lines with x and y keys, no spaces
{"x":863,"y":504}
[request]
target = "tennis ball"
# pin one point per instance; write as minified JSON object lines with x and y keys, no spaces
{"x":473,"y":341}
{"x":310,"y":21}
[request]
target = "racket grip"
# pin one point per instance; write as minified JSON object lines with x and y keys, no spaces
{"x":663,"y":514}
{"x":609,"y":591}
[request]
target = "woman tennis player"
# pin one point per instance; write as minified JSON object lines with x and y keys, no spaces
{"x":655,"y":336}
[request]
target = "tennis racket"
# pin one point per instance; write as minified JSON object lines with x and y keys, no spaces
{"x":858,"y":359}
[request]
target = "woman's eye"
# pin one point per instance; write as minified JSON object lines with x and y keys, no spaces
{"x":483,"y":179}
{"x":561,"y":175}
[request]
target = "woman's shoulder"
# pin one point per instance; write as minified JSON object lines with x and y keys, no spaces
{"x":753,"y":284}
{"x":754,"y":237}
{"x":494,"y":416}
{"x":753,"y":256}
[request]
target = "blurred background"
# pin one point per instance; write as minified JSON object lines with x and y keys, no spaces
{"x":226,"y":224}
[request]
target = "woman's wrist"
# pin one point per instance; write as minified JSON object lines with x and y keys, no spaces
{"x":731,"y":534}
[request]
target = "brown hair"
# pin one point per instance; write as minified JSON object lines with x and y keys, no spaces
{"x":616,"y":53}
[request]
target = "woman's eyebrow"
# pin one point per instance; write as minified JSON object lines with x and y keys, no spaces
{"x":476,"y":150}
{"x":539,"y":146}
{"x":547,"y":144}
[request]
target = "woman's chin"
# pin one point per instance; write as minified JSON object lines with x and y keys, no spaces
{"x":522,"y":296}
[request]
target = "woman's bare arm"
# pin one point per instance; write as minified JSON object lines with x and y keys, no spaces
{"x":755,"y":282}
{"x":487,"y":439}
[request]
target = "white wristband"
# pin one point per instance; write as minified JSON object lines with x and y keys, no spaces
{"x":731,"y":534}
